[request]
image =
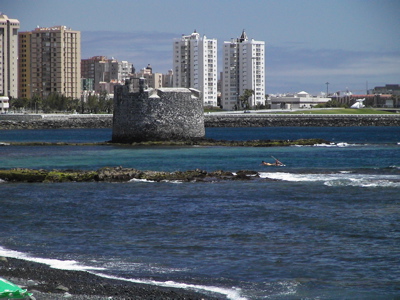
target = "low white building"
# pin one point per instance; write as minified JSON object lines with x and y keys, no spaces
{"x":4,"y":105}
{"x":296,"y":101}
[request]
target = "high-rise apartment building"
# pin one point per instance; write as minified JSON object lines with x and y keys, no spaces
{"x":195,"y":65}
{"x":168,"y":79}
{"x":50,"y":62}
{"x":24,"y":65}
{"x":88,"y":68}
{"x":243,"y":69}
{"x":8,"y":56}
{"x":100,"y":69}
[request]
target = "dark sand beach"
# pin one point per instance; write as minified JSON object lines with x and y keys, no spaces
{"x":45,"y":283}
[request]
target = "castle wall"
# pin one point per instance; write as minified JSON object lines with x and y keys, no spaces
{"x":153,"y":115}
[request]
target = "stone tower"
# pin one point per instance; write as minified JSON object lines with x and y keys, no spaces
{"x":156,"y":114}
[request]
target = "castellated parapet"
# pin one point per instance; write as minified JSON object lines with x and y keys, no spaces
{"x":156,"y":114}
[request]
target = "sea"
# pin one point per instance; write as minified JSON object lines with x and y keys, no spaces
{"x":324,"y":226}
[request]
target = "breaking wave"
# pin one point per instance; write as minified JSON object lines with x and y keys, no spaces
{"x":231,"y":293}
{"x":343,"y":178}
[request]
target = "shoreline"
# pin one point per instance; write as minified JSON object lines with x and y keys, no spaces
{"x":46,"y":283}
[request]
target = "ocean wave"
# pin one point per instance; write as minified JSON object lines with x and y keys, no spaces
{"x":53,"y":263}
{"x":394,"y":167}
{"x":152,"y":181}
{"x":140,"y":180}
{"x":231,"y":293}
{"x":72,"y":265}
{"x":343,"y":178}
{"x":341,"y":144}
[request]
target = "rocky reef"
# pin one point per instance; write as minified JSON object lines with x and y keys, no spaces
{"x":193,"y":142}
{"x":120,"y":174}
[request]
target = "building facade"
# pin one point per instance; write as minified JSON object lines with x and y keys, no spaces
{"x":8,"y":56}
{"x":296,"y":101}
{"x":168,"y":79}
{"x":88,"y":70}
{"x":102,"y":70}
{"x":24,"y":65}
{"x":152,"y":80}
{"x":243,"y":69}
{"x":392,"y":89}
{"x":50,"y":62}
{"x":195,"y":65}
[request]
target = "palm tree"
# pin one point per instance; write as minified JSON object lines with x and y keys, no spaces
{"x":244,"y":98}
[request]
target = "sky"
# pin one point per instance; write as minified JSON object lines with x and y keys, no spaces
{"x":350,"y":44}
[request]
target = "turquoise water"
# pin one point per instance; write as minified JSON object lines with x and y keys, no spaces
{"x":326,"y":226}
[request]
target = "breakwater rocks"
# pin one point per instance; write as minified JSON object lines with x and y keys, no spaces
{"x":275,"y":120}
{"x":120,"y":174}
{"x":54,"y":121}
{"x":49,"y":121}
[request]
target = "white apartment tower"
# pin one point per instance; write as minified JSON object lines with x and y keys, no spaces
{"x":244,"y":68}
{"x":8,"y":56}
{"x":195,"y":65}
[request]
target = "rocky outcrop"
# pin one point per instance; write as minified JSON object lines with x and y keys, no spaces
{"x":194,"y":142}
{"x":120,"y":174}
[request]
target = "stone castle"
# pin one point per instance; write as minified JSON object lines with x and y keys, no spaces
{"x":156,"y":114}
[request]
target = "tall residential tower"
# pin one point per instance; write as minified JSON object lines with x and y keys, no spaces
{"x":195,"y":65}
{"x":50,"y":62}
{"x":244,"y":69}
{"x":8,"y":56}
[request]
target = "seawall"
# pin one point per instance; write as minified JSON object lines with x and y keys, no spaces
{"x":49,"y":121}
{"x":275,"y":120}
{"x":54,"y":121}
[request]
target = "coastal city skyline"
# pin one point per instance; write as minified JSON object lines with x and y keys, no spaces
{"x":350,"y":44}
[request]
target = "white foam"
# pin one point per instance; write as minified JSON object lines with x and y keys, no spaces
{"x":53,"y":263}
{"x":341,"y":144}
{"x":172,"y":181}
{"x":152,"y":181}
{"x":343,"y":178}
{"x":290,"y":176}
{"x":140,"y":180}
{"x":233,"y":293}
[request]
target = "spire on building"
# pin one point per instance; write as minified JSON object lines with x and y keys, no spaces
{"x":243,"y":37}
